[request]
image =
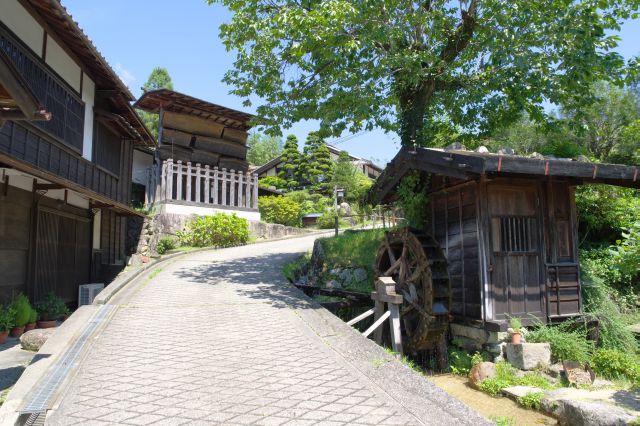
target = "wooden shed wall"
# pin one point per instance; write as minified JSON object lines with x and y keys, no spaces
{"x":453,"y":222}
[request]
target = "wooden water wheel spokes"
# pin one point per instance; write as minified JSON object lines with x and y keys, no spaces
{"x":403,"y":256}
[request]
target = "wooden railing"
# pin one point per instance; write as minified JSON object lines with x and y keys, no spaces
{"x":193,"y":183}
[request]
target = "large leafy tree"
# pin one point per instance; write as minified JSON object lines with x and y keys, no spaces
{"x":347,"y":176}
{"x":262,"y":148}
{"x":409,"y":66}
{"x":291,"y":158}
{"x":158,"y":79}
{"x":316,"y":165}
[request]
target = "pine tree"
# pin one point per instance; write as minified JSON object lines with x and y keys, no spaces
{"x":291,"y":159}
{"x":317,"y":165}
{"x":158,"y":79}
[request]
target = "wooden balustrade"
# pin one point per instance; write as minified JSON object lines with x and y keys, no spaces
{"x":178,"y":181}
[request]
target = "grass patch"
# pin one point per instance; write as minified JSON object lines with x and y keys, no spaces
{"x":503,"y":420}
{"x":291,"y":270}
{"x":531,"y":400}
{"x":506,"y":377}
{"x":354,"y":249}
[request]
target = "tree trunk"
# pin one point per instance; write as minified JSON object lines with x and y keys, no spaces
{"x":413,"y":106}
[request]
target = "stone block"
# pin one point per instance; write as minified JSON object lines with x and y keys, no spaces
{"x":528,"y":356}
{"x":481,"y":372}
{"x":520,"y":391}
{"x":34,"y":339}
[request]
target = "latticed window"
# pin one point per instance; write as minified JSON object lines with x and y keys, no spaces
{"x":514,"y":234}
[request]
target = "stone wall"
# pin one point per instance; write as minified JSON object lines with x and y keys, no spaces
{"x":153,"y":227}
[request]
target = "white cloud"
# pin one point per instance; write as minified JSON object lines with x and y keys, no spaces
{"x":124,"y":74}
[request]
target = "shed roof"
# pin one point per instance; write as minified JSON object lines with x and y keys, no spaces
{"x":464,"y":164}
{"x":170,"y":100}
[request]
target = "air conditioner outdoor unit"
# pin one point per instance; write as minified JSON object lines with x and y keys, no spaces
{"x":88,"y":292}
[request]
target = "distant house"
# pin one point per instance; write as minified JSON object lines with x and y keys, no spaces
{"x":200,"y":165}
{"x":366,"y":167}
{"x":67,"y":133}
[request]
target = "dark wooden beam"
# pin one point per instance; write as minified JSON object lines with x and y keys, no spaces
{"x":46,"y":186}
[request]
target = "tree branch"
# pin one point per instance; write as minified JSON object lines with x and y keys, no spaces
{"x":462,"y":36}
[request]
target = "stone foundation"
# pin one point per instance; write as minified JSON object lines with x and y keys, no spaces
{"x":477,"y":338}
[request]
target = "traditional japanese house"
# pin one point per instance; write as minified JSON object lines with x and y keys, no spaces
{"x":506,"y":229}
{"x":366,"y":167}
{"x":67,"y":132}
{"x":200,"y":164}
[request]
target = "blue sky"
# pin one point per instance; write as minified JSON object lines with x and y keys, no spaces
{"x":182,"y":36}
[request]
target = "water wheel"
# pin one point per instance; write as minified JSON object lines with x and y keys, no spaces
{"x":418,"y":266}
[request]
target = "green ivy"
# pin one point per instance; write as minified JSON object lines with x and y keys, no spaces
{"x":413,"y":198}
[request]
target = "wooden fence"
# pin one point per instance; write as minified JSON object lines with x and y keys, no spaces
{"x":197,"y":184}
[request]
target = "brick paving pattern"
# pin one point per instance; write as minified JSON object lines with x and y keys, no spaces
{"x":212,"y":340}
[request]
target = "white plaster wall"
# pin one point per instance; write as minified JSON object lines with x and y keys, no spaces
{"x":141,"y":162}
{"x":62,"y":63}
{"x":88,"y":97}
{"x":16,"y":17}
{"x":24,"y":181}
{"x":205,"y":211}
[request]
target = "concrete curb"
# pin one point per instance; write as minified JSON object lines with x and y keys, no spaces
{"x":46,"y":357}
{"x":125,"y":278}
{"x":409,"y":388}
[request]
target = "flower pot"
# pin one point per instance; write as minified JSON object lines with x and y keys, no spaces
{"x":29,"y":326}
{"x":3,"y":336}
{"x":17,"y":331}
{"x":47,"y":324}
{"x":516,"y":338}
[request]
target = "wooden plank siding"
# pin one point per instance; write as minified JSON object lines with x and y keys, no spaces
{"x":25,"y":142}
{"x":454,"y":224}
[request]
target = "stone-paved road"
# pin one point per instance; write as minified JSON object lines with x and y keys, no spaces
{"x":217,"y":338}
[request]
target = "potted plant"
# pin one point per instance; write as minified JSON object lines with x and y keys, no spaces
{"x":21,"y":310}
{"x":516,"y":330}
{"x":50,"y":309}
{"x":33,"y":317}
{"x":6,"y":322}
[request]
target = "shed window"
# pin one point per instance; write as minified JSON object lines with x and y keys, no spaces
{"x":514,"y":234}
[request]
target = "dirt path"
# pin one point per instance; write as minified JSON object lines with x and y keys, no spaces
{"x":489,"y":406}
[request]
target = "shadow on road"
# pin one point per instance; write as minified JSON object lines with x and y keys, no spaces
{"x":256,"y":277}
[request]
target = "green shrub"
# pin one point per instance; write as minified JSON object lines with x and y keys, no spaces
{"x":6,"y":318}
{"x":219,"y":230}
{"x":282,"y":210}
{"x":21,"y":309}
{"x":275,"y":181}
{"x":531,"y":400}
{"x":568,"y":341}
{"x":165,"y":244}
{"x":33,"y":316}
{"x":328,"y":220}
{"x":612,"y":327}
{"x":617,"y":365}
{"x":51,"y":307}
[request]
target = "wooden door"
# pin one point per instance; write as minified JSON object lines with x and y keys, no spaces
{"x":63,"y":255}
{"x":516,"y":252}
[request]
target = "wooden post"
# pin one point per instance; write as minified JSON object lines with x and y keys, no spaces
{"x":207,"y":184}
{"x":198,"y":183}
{"x":215,"y":185}
{"x":169,"y":192}
{"x":247,"y":191}
{"x":255,"y":192}
{"x":179,"y":181}
{"x":240,"y":188}
{"x":232,"y":192}
{"x":189,"y":197}
{"x":224,"y":187}
{"x":163,"y":182}
{"x":386,"y":293}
